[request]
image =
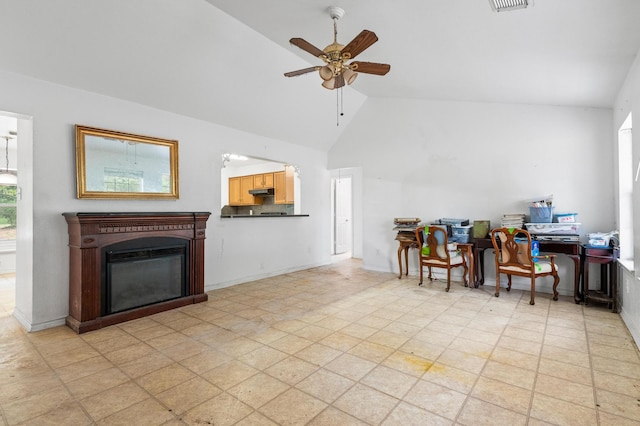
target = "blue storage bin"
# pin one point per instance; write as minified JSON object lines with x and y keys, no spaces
{"x":541,"y":214}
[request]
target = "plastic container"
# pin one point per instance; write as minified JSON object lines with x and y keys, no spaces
{"x":554,"y":228}
{"x":566,"y":217}
{"x":535,"y":248}
{"x":541,"y":214}
{"x":454,"y":222}
{"x":462,"y":238}
{"x":461,"y":230}
{"x":599,"y":239}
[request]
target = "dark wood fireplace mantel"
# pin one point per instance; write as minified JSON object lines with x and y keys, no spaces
{"x":89,"y":233}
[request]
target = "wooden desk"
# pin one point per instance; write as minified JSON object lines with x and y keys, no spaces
{"x":406,"y":240}
{"x":571,"y":249}
{"x":607,"y":258}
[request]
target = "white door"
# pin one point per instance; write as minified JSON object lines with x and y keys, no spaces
{"x":343,"y":232}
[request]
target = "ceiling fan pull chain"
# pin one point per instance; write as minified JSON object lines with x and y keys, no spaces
{"x":337,"y":107}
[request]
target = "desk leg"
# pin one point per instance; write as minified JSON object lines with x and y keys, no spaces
{"x":400,"y":260}
{"x":479,"y":262}
{"x":471,"y":278}
{"x":577,"y":294}
{"x":613,"y":282}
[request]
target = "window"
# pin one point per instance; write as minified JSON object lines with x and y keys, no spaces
{"x":8,"y":213}
{"x":123,"y":180}
{"x":625,"y":196}
{"x":166,"y":182}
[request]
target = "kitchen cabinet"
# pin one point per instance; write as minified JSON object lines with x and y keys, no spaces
{"x":283,"y":184}
{"x":239,"y":191}
{"x":262,"y":181}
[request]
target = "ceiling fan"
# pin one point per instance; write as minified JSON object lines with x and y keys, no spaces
{"x":337,"y":70}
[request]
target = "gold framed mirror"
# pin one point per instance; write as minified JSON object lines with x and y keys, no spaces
{"x":111,"y":164}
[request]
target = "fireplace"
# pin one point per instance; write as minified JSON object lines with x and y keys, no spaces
{"x":128,"y":265}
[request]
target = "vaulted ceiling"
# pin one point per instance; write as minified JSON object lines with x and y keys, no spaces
{"x":223,"y":61}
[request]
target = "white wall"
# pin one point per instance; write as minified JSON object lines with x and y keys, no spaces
{"x":237,"y":250}
{"x":432,"y":159}
{"x":628,"y":101}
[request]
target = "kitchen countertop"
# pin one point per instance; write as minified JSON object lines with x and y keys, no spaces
{"x":231,"y":216}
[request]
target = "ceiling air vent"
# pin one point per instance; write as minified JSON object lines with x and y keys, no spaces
{"x":500,"y":5}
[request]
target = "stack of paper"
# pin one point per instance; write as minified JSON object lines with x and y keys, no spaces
{"x":513,"y":220}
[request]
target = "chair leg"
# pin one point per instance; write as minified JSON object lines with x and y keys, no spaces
{"x":421,"y":268}
{"x":497,"y":285}
{"x":556,"y":281}
{"x":430,"y":276}
{"x":508,"y":282}
{"x":448,"y":279}
{"x":533,"y":291}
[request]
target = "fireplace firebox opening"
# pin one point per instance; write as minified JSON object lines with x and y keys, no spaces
{"x":143,"y":272}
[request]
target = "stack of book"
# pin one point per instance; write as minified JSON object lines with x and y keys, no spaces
{"x":513,"y":220}
{"x":406,"y":227}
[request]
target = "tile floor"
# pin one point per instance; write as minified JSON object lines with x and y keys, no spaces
{"x":333,"y":345}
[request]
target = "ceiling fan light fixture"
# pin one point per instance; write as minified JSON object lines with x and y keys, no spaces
{"x":326,"y":72}
{"x":329,"y":84}
{"x":349,"y":76}
{"x":502,"y":5}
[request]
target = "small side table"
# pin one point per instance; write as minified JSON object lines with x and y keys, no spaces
{"x":406,"y":240}
{"x":467,"y":250}
{"x":607,"y":258}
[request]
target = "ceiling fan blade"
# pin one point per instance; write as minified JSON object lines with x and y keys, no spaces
{"x":356,"y":46}
{"x":370,"y":67}
{"x":306,"y":46}
{"x":300,"y":72}
{"x":339,"y":81}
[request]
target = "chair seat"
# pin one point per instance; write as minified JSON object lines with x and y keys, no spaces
{"x":540,"y":268}
{"x":455,"y":260}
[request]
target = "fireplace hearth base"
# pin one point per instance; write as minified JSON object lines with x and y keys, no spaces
{"x":89,"y":233}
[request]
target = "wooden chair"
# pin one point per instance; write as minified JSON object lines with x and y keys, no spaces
{"x":513,"y":257}
{"x":434,"y":253}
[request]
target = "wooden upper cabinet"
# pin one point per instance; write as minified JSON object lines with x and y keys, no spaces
{"x":235,"y":199}
{"x":283,"y":184}
{"x":262,"y":181}
{"x":239,"y":191}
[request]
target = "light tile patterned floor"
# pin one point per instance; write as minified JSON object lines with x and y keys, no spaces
{"x":333,"y":345}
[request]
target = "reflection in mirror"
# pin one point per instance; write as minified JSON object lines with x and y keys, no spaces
{"x":121,"y":165}
{"x":258,"y":186}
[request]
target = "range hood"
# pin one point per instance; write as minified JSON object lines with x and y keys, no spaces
{"x":261,"y":192}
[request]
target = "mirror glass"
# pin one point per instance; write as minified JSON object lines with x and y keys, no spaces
{"x":122,"y":165}
{"x":258,"y":186}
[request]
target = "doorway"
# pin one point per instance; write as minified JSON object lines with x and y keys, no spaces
{"x":8,"y":209}
{"x":342,"y":216}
